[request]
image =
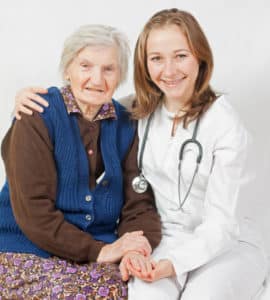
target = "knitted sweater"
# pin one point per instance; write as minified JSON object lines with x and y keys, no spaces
{"x":95,"y":211}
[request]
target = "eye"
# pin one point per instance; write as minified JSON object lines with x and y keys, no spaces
{"x":181,"y":56}
{"x":109,"y":69}
{"x":84,"y":66}
{"x":155,"y":58}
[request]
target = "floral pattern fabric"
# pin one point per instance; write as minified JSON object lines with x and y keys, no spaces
{"x":106,"y":111}
{"x":29,"y":277}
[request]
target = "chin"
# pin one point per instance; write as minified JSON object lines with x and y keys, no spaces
{"x":96,"y":101}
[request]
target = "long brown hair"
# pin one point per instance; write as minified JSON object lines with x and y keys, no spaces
{"x":148,"y":94}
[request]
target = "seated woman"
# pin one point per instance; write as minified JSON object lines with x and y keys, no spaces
{"x":208,"y":251}
{"x":192,"y":150}
{"x":67,"y":209}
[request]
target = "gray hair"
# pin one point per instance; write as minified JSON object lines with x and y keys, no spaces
{"x":95,"y":35}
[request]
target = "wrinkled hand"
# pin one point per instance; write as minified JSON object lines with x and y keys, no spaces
{"x":135,"y":264}
{"x":162,"y":269}
{"x":131,"y":241}
{"x":25,"y":101}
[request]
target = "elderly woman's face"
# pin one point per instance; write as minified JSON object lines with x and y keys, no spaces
{"x":94,"y":75}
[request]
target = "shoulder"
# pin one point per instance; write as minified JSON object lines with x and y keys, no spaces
{"x":223,"y":109}
{"x":123,"y":115}
{"x":128,"y":101}
{"x":223,"y":123}
{"x":222,"y":116}
{"x":53,"y":97}
{"x":56,"y":108}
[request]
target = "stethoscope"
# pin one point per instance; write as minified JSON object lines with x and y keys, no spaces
{"x":140,"y":184}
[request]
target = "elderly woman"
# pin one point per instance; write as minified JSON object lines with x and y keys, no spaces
{"x":67,"y":210}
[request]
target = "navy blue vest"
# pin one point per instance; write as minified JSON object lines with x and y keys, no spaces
{"x":94,"y":211}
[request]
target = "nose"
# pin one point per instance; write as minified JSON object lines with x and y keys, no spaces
{"x":169,"y":68}
{"x":97,"y":76}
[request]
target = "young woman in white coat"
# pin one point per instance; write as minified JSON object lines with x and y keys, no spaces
{"x":207,"y":251}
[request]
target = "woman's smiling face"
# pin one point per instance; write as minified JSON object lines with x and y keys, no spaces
{"x":171,"y":63}
{"x":94,"y":75}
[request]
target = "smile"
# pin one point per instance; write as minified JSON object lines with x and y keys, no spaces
{"x":172,"y":83}
{"x":94,"y":90}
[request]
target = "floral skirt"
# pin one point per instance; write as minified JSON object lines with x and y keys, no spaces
{"x":29,"y":277}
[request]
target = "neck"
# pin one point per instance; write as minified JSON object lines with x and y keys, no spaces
{"x":89,"y":111}
{"x":175,"y":106}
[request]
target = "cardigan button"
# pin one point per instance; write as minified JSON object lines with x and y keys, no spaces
{"x":88,"y":217}
{"x":105,"y":182}
{"x":88,"y":198}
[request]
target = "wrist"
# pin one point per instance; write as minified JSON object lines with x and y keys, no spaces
{"x":172,"y":270}
{"x":102,"y":256}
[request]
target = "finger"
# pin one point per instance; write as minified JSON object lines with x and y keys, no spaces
{"x":38,"y":89}
{"x":17,"y":116}
{"x":138,"y":232}
{"x":133,"y":271}
{"x":34,"y":106}
{"x":147,"y":249}
{"x":153,"y":263}
{"x":26,"y":110}
{"x":34,"y":97}
{"x":124,"y":271}
{"x":135,"y":263}
{"x":152,"y":276}
{"x":143,"y":266}
{"x":148,"y":267}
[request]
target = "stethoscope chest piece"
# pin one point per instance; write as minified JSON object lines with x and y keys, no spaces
{"x":139,"y":184}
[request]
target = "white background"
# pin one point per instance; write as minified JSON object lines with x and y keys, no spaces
{"x":32,"y":33}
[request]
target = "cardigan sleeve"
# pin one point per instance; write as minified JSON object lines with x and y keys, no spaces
{"x":31,"y":172}
{"x":139,"y":211}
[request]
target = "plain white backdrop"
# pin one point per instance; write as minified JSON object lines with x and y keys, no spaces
{"x":32,"y":33}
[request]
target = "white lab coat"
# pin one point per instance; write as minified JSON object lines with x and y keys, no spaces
{"x":209,"y":227}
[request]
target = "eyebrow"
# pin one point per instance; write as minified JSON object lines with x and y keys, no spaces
{"x":175,"y":51}
{"x":85,"y":60}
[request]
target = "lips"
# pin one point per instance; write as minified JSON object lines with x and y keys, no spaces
{"x":172,"y":83}
{"x":90,"y":89}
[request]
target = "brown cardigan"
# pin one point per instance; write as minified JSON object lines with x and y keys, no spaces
{"x":28,"y":157}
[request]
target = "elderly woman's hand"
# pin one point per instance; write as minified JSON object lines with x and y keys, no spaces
{"x":27,"y":100}
{"x":128,"y":242}
{"x":162,"y":269}
{"x":135,"y":264}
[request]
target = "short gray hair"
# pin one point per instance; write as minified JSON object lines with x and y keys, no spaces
{"x":95,"y":35}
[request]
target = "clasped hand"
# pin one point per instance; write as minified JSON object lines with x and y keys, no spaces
{"x":130,"y":241}
{"x":144,"y":267}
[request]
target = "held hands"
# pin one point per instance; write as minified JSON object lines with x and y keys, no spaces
{"x":130,"y":241}
{"x":26,"y":101}
{"x":135,"y":264}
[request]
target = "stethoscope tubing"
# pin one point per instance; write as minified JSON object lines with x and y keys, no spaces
{"x":192,"y":140}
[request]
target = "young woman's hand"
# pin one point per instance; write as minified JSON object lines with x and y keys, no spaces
{"x":131,"y":241}
{"x":163,"y":269}
{"x":145,"y":268}
{"x":27,"y":100}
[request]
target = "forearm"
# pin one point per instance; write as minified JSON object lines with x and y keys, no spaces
{"x":139,"y":211}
